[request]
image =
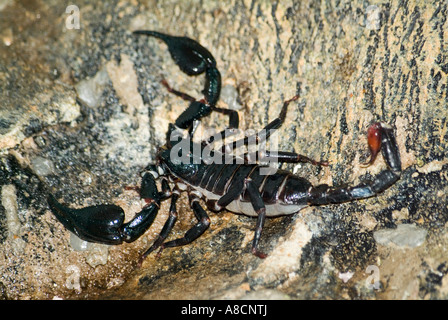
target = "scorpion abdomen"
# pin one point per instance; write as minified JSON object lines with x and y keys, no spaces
{"x":282,"y":192}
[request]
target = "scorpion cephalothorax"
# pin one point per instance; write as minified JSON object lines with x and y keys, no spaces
{"x":237,"y":185}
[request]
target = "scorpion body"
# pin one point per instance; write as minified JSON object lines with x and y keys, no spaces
{"x":237,"y":185}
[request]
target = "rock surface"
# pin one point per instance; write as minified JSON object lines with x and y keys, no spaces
{"x":82,"y":111}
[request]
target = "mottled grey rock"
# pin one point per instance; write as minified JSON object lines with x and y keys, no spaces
{"x":405,"y":235}
{"x":352,"y":63}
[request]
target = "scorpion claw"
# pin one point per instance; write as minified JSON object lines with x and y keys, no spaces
{"x":193,"y":59}
{"x":101,"y":223}
{"x":189,"y":55}
{"x":105,"y":223}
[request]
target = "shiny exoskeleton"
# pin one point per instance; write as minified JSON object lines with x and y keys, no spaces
{"x":238,"y":185}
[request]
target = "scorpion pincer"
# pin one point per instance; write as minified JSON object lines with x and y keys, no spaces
{"x":237,"y":186}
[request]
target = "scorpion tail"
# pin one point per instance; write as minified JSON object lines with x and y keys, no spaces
{"x":380,"y":137}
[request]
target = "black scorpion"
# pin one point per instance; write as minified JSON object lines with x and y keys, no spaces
{"x":238,"y":186}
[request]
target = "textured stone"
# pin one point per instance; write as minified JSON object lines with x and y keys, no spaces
{"x":351,"y":62}
{"x":405,"y":235}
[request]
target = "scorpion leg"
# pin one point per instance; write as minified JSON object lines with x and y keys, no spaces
{"x":195,"y":111}
{"x":259,"y":207}
{"x":167,"y":227}
{"x":180,"y":94}
{"x":232,"y":129}
{"x":266,"y":132}
{"x":385,"y":141}
{"x":285,"y":156}
{"x":234,"y":119}
{"x":105,"y":223}
{"x":196,"y":230}
{"x":236,"y":186}
{"x":232,"y":194}
{"x":198,"y":109}
{"x":257,"y":202}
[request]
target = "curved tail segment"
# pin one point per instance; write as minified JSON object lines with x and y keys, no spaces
{"x":380,"y":137}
